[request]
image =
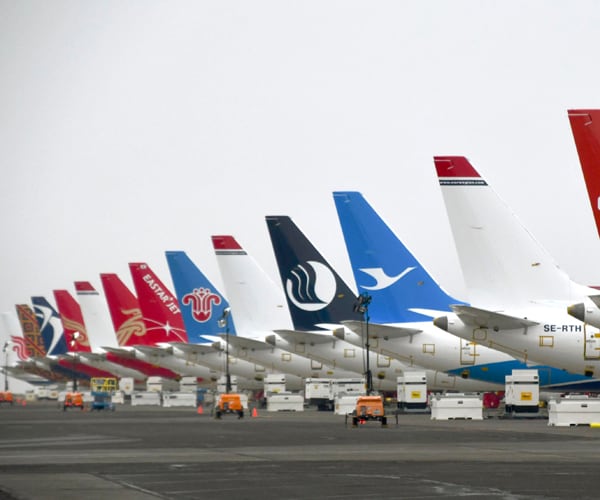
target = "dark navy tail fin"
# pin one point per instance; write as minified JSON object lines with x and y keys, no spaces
{"x":50,"y":326}
{"x":384,"y":268}
{"x":314,"y":291}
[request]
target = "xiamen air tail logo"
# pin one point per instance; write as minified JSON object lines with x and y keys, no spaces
{"x":382,"y":280}
{"x":310,"y":286}
{"x":201,"y":301}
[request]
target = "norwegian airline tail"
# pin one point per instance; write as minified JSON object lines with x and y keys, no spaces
{"x":72,"y":321}
{"x":202,"y":305}
{"x":257,"y":302}
{"x":31,"y":331}
{"x":384,"y":268}
{"x":125,"y":312}
{"x":50,"y":326}
{"x":315,"y":293}
{"x":585,"y":124}
{"x":160,"y":308}
{"x":503,"y":265}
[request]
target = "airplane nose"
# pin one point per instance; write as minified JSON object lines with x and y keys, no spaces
{"x":441,"y":322}
{"x":577,"y":311}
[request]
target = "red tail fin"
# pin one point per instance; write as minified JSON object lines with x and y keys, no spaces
{"x":72,"y":321}
{"x":585,"y":124}
{"x":160,"y":309}
{"x":125,"y":312}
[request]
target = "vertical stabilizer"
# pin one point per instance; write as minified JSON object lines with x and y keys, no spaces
{"x":96,"y":316}
{"x":11,"y":340}
{"x":257,"y":303}
{"x":502,"y":264}
{"x":383,"y":267}
{"x":159,"y":305}
{"x":31,"y":331}
{"x":72,"y":321}
{"x":125,"y":312}
{"x":585,"y":124}
{"x":50,"y":326}
{"x":202,"y":305}
{"x":315,"y":293}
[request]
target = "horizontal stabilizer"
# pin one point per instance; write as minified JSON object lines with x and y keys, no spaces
{"x":124,"y":353}
{"x":381,"y":331}
{"x":300,"y":337}
{"x":193,"y":348}
{"x":152,"y":350}
{"x":595,"y":299}
{"x":246,"y":343}
{"x":92,"y":356}
{"x":489,"y":319}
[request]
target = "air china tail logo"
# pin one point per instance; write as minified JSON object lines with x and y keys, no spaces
{"x":19,"y":347}
{"x":310,"y":286}
{"x":201,"y":301}
{"x":382,"y":280}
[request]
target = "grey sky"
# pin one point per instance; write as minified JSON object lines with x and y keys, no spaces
{"x":133,"y":127}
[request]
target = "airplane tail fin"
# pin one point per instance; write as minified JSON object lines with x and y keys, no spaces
{"x":31,"y":331}
{"x":383,"y":267}
{"x":72,"y":321}
{"x":315,"y":293}
{"x":585,"y":125}
{"x":50,"y":326}
{"x":202,"y":305}
{"x":257,"y":302}
{"x":11,"y":340}
{"x":96,"y":316}
{"x":501,"y":261}
{"x":125,"y":312}
{"x":160,"y":309}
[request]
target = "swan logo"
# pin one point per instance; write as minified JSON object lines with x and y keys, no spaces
{"x":382,"y":280}
{"x":310,"y":286}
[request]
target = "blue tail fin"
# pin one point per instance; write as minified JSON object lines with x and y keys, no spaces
{"x":50,"y":326}
{"x":383,"y":267}
{"x":201,"y":304}
{"x":314,"y":291}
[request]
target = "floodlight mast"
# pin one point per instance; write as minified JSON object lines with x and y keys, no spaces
{"x":5,"y":351}
{"x":73,"y":343}
{"x":362,"y":306}
{"x":224,"y":323}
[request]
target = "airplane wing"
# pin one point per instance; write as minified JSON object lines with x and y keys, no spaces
{"x":381,"y":331}
{"x":300,"y":337}
{"x":490,"y":319}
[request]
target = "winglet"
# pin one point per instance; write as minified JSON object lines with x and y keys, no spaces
{"x":585,"y":125}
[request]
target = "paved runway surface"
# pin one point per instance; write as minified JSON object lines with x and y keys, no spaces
{"x":174,"y":453}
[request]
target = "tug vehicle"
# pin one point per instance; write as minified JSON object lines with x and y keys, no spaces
{"x":369,"y":408}
{"x":6,"y":397}
{"x":229,"y":403}
{"x":73,"y":400}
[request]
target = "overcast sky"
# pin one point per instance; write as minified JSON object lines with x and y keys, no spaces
{"x":128,"y":128}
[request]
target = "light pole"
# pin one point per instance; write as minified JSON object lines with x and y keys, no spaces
{"x":73,"y":343}
{"x":5,"y":351}
{"x":362,"y":306}
{"x":224,"y":323}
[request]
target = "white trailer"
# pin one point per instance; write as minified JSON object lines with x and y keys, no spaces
{"x":188,"y":384}
{"x":522,"y":394}
{"x":318,"y":392}
{"x":161,"y":384}
{"x":412,"y":390}
{"x":222,"y":384}
{"x":274,"y":383}
{"x":127,"y":385}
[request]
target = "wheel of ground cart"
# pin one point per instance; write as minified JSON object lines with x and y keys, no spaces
{"x":217,"y":414}
{"x":383,"y":421}
{"x":240,"y":414}
{"x":354,"y":421}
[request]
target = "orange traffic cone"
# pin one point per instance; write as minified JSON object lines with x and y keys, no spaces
{"x":200,"y":410}
{"x":254,"y":412}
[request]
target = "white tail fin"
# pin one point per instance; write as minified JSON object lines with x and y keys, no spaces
{"x":503,"y":264}
{"x":96,"y":316}
{"x":258,"y":304}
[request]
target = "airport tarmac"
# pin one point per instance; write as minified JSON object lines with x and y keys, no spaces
{"x":176,"y":453}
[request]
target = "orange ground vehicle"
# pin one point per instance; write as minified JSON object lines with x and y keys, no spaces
{"x":73,"y":400}
{"x":6,"y":397}
{"x":369,"y":408}
{"x":229,"y":403}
